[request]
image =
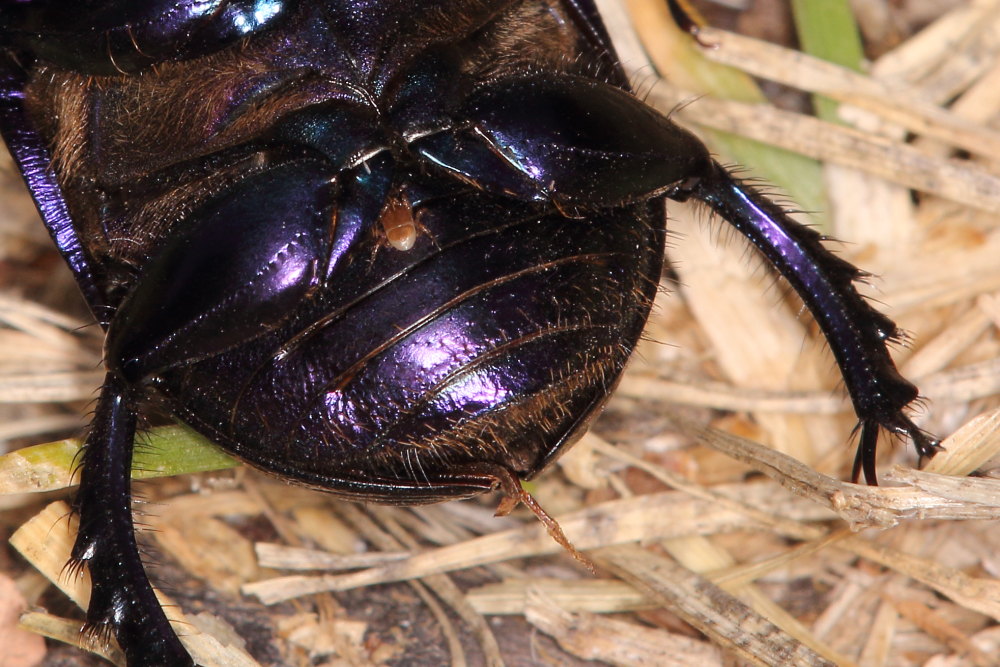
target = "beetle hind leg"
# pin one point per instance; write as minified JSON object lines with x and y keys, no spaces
{"x":122,"y":600}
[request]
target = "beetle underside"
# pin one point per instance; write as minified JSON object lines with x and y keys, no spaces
{"x":231,"y":197}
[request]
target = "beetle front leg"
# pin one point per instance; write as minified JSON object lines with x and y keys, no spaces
{"x":122,"y":598}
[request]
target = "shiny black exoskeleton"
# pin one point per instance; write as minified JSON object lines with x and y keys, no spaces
{"x":399,"y":250}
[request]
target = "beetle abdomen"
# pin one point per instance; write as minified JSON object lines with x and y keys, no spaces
{"x":500,"y":317}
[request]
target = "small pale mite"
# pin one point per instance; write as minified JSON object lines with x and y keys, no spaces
{"x":398,"y":222}
{"x":196,"y":164}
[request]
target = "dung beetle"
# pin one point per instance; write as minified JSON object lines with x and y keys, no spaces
{"x":398,"y":250}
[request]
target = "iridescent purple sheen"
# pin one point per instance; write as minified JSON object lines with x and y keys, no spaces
{"x":110,"y":36}
{"x":34,"y":160}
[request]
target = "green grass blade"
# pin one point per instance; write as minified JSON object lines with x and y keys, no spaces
{"x":827,"y":30}
{"x":160,"y":452}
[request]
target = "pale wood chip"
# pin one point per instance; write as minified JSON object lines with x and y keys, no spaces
{"x":208,"y":548}
{"x":733,"y":397}
{"x":918,"y":56}
{"x":938,"y":627}
{"x":968,"y":448}
{"x":978,"y":490}
{"x":957,"y":336}
{"x":70,"y":632}
{"x":860,"y":506}
{"x":962,"y":384}
{"x":878,"y":644}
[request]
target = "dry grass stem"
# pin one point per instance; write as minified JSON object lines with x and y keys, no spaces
{"x":617,"y":642}
{"x":879,"y":156}
{"x":723,"y":618}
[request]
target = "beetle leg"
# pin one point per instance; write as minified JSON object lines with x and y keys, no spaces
{"x":122,"y":598}
{"x":34,"y":159}
{"x":857,"y":333}
{"x":509,"y":484}
{"x":584,"y":146}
